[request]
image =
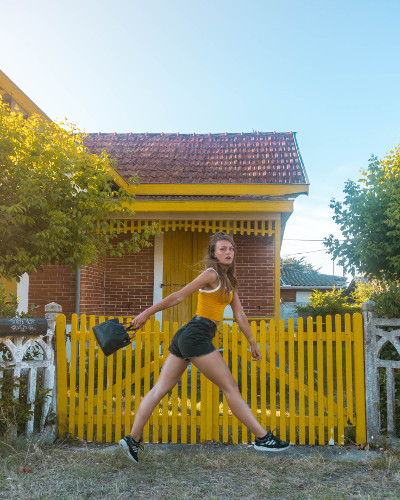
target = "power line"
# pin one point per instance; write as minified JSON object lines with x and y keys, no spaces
{"x":301,"y":253}
{"x":297,"y":239}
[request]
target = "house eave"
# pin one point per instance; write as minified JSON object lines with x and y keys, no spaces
{"x":232,"y":189}
{"x":184,"y":206}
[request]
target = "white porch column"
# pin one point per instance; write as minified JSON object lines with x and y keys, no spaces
{"x":22,"y":293}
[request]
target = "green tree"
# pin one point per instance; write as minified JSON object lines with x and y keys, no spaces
{"x":297,"y":264}
{"x":55,"y":198}
{"x":369,"y":219}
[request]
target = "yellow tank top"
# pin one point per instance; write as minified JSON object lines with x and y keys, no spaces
{"x":211,"y":304}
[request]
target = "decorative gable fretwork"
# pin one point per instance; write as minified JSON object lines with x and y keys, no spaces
{"x":256,"y":227}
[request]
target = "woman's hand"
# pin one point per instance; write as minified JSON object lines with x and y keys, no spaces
{"x":140,"y":320}
{"x":255,"y":353}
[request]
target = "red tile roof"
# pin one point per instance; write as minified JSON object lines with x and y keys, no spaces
{"x":244,"y":158}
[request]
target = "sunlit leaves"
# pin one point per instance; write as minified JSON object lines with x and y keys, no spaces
{"x":53,"y":192}
{"x":369,"y":219}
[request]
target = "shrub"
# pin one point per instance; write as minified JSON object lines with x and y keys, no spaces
{"x":328,"y":303}
{"x":9,"y":306}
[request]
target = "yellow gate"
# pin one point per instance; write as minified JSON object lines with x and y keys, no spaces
{"x":309,"y":386}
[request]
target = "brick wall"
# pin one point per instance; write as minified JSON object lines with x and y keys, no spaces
{"x":255,"y":271}
{"x":54,"y":284}
{"x":124,"y":285}
{"x":129,"y":282}
{"x":92,"y":288}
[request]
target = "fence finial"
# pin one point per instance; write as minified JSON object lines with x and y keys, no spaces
{"x":51,"y":312}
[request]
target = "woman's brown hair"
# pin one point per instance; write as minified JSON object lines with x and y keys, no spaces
{"x":228,"y":280}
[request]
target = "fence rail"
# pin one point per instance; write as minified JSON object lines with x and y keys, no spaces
{"x":309,"y":385}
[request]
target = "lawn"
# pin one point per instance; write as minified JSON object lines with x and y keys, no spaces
{"x":72,"y":470}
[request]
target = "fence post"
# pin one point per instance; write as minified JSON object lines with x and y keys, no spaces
{"x":51,"y":311}
{"x":371,"y":372}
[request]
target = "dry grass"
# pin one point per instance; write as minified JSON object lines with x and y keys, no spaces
{"x":65,"y":471}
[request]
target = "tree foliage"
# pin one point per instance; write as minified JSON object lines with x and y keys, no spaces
{"x":369,"y":219}
{"x":297,"y":264}
{"x":55,"y":198}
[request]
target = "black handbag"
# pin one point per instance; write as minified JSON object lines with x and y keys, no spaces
{"x":111,"y":335}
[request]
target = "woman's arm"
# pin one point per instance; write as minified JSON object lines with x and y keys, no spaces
{"x":243,"y":322}
{"x":209,"y":277}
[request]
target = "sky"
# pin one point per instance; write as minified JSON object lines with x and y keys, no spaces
{"x":327,"y":70}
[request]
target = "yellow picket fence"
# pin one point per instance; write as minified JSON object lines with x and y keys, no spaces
{"x":308,"y":387}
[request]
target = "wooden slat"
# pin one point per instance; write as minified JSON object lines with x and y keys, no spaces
{"x":82,"y":376}
{"x":235,"y":436}
{"x":310,"y":382}
{"x":282,"y":381}
{"x":320,"y":382}
{"x":164,"y":417}
{"x":156,"y":349}
{"x":100,"y":391}
{"x":272,"y":374}
{"x":62,"y":370}
{"x":225,"y":422}
{"x":253,"y":379}
{"x":193,"y":404}
{"x":91,"y":371}
{"x":292,"y":395}
{"x":300,"y":364}
{"x":109,"y":398}
{"x":72,"y":376}
{"x":263,"y":373}
{"x":118,"y":395}
{"x":146,"y":383}
{"x":359,"y":384}
{"x":174,"y":402}
{"x":215,"y":402}
{"x":243,"y":359}
{"x":128,"y":389}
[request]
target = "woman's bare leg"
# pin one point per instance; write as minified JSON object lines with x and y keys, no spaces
{"x":215,"y":369}
{"x":169,"y":376}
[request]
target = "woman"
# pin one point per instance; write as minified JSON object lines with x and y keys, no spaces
{"x":192,"y":343}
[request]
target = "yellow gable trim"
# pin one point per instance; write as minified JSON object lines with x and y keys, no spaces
{"x":212,"y":206}
{"x":219,"y":189}
{"x":19,"y":97}
{"x":120,"y":181}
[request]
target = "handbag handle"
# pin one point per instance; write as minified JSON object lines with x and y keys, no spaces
{"x":131,"y":327}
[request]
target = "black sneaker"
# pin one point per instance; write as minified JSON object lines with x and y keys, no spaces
{"x":130,"y":447}
{"x":270,"y":443}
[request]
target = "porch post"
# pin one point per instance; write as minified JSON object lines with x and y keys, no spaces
{"x":277,"y":270}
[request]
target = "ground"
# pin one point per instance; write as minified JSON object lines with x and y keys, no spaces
{"x":67,"y":471}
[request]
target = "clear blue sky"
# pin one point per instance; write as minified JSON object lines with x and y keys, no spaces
{"x":328,"y":70}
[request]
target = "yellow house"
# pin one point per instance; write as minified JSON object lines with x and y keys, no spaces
{"x":191,"y":185}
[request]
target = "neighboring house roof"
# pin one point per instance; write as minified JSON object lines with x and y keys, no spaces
{"x":230,"y":158}
{"x":299,"y":279}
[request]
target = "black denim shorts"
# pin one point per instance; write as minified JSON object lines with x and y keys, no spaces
{"x":194,"y":338}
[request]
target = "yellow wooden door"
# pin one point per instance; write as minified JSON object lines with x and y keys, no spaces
{"x":9,"y":286}
{"x":183,"y":253}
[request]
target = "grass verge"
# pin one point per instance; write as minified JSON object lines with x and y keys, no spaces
{"x":66,"y":471}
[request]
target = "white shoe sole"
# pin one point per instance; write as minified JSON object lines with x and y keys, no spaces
{"x":263,"y":448}
{"x":125,"y":449}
